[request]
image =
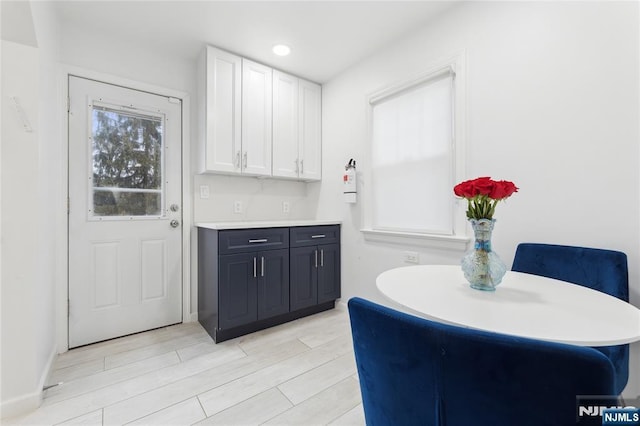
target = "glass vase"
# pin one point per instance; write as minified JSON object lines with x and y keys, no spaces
{"x":481,"y":266}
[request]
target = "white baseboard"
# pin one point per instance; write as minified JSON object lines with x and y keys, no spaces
{"x":30,"y":401}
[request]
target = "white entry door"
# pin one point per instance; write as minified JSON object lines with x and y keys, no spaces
{"x":125,"y":244}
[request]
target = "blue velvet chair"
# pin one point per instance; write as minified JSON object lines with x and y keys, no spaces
{"x":602,"y":270}
{"x":414,"y":371}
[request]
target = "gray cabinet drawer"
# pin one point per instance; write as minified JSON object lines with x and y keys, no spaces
{"x":314,"y":235}
{"x":255,"y":239}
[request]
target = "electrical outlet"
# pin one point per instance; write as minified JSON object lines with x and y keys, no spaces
{"x":411,"y":257}
{"x":204,"y":191}
{"x":286,"y":207}
{"x":237,"y":206}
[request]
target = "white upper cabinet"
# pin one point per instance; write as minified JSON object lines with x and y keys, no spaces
{"x":257,"y":121}
{"x":310,"y":130}
{"x":256,"y":118}
{"x":286,"y":159}
{"x":222,"y":106}
{"x":297,"y":148}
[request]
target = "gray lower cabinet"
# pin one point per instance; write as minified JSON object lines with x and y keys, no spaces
{"x":315,"y":265}
{"x":251,"y":279}
{"x":254,"y":286}
{"x":315,"y":275}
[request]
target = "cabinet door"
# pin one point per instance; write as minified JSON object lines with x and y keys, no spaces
{"x":309,"y":130}
{"x":223,"y":111}
{"x":238,"y":293}
{"x":285,"y":125}
{"x":329,"y":272}
{"x":256,"y":118}
{"x":273,"y":283}
{"x":304,"y":277}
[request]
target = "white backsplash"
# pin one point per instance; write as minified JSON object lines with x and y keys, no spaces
{"x":260,"y":199}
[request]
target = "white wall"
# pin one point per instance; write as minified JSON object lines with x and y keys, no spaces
{"x":19,"y":235}
{"x":30,"y":211}
{"x":552,"y":105}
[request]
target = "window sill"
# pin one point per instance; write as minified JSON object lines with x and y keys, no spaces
{"x":449,"y":242}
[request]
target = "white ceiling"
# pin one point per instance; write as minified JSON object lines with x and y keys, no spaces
{"x":326,"y":37}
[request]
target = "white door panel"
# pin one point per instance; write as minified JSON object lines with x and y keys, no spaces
{"x":256,"y":118}
{"x":309,"y":122}
{"x":223,"y":100}
{"x":285,"y":125}
{"x":125,"y":259}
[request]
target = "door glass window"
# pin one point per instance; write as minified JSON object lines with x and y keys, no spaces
{"x":127,"y":163}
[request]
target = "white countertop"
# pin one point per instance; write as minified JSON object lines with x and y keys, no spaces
{"x":265,"y":224}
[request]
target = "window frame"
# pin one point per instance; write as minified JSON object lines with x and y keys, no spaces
{"x":136,"y":111}
{"x":459,"y":238}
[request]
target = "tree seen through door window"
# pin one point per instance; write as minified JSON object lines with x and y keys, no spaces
{"x":127,"y":163}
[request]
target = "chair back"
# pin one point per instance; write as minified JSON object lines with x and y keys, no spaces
{"x":414,"y":371}
{"x":598,"y":269}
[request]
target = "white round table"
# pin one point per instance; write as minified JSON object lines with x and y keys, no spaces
{"x":523,"y":305}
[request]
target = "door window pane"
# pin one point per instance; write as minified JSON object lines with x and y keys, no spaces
{"x":127,"y":163}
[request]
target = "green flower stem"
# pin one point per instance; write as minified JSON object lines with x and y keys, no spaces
{"x":481,"y":207}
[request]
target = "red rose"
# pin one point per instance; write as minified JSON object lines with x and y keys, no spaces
{"x":484,"y":185}
{"x":465,"y":189}
{"x":483,"y":194}
{"x":502,"y":189}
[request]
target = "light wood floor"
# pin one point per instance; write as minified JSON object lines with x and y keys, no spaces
{"x":299,"y":373}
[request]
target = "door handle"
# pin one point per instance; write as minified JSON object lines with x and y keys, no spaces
{"x":316,"y":258}
{"x":254,"y":268}
{"x":262,"y":266}
{"x":174,"y":208}
{"x":174,"y":223}
{"x":322,"y":258}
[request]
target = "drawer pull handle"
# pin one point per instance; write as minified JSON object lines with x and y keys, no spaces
{"x":262,"y":240}
{"x":318,"y":236}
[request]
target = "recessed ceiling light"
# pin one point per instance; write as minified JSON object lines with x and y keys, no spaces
{"x":281,"y":49}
